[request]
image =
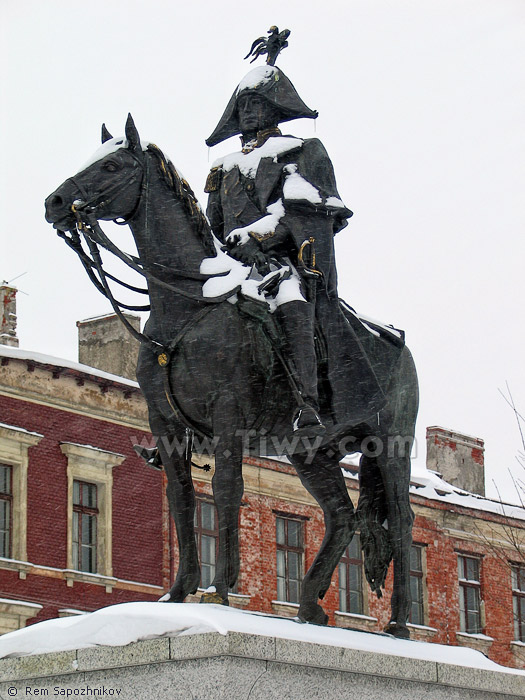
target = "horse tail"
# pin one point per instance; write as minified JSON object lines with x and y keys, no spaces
{"x":373,"y":524}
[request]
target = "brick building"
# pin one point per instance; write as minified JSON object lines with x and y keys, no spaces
{"x":84,"y":523}
{"x":76,"y":503}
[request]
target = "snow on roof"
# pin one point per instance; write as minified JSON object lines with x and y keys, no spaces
{"x":12,"y":601}
{"x":429,"y":484}
{"x":110,"y":314}
{"x":122,"y":624}
{"x":72,"y":611}
{"x":20,"y":430}
{"x":92,"y":447}
{"x":101,"y":317}
{"x":20,"y":354}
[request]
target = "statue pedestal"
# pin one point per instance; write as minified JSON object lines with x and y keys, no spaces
{"x":239,"y":666}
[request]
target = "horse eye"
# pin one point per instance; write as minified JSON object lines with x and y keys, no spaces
{"x":110,"y":167}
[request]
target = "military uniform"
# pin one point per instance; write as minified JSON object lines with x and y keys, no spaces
{"x":295,"y":178}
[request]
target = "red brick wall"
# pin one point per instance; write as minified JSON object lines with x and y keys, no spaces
{"x":137,"y":510}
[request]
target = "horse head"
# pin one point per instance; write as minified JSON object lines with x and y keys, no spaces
{"x":107,"y":187}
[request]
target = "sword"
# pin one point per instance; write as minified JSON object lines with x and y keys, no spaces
{"x":311,"y":273}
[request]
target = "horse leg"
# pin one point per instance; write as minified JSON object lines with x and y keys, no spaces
{"x":396,"y":479}
{"x":228,"y":488}
{"x":181,"y":499}
{"x":323,"y":479}
{"x":394,"y":464}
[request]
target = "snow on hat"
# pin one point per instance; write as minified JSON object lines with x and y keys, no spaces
{"x":272,"y":84}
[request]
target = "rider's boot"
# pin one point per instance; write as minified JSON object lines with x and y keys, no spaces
{"x":296,"y":320}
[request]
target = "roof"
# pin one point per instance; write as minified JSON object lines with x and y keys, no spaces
{"x":428,"y":484}
{"x":67,"y":366}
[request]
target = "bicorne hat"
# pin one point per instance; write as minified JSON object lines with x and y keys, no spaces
{"x":272,"y":84}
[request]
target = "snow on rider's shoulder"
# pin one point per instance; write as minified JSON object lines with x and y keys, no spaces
{"x":297,"y":188}
{"x":108,"y":147}
{"x":248,"y":163}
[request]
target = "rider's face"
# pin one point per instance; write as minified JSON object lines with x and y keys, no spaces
{"x":255,"y":113}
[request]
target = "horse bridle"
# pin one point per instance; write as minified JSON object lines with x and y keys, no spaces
{"x":89,"y":202}
{"x":87,"y":225}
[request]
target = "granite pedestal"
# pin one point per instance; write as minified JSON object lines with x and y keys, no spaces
{"x":239,"y":666}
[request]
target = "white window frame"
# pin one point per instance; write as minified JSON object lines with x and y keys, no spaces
{"x":464,"y":585}
{"x":423,"y":578}
{"x":14,"y":452}
{"x":91,"y":464}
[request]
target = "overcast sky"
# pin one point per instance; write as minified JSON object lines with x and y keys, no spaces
{"x":422,"y":110}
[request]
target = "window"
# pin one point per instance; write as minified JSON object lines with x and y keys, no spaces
{"x":351,"y":579}
{"x":417,"y":609}
{"x":14,"y":462}
{"x":518,"y":601}
{"x":290,"y":551}
{"x":90,"y":510}
{"x":207,"y":536}
{"x":6,"y":509}
{"x":85,"y":514}
{"x":469,"y":594}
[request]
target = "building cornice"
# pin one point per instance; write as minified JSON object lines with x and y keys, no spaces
{"x":76,"y":388}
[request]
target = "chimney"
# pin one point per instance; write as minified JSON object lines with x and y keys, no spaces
{"x":8,"y":315}
{"x":458,"y":458}
{"x":104,"y":343}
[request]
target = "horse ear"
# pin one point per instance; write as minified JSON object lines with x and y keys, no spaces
{"x":105,"y":134}
{"x":132,"y":135}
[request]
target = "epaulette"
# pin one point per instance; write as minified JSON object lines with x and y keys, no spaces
{"x":213,"y":181}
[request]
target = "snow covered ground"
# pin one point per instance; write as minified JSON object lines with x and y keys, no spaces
{"x":122,"y":624}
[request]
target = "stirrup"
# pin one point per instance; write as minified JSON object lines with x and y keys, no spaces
{"x":150,"y":455}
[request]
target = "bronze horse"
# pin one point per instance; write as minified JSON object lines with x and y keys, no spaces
{"x":204,"y":365}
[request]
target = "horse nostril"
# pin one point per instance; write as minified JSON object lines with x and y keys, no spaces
{"x":56,"y":201}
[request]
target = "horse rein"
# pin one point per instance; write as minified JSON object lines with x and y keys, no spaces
{"x":87,"y":225}
{"x":90,"y":228}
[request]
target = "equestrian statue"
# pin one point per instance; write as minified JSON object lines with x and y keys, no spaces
{"x":247,"y":345}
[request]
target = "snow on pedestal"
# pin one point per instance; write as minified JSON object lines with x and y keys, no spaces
{"x":118,"y":625}
{"x":152,"y":650}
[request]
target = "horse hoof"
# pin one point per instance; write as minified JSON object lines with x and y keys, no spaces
{"x":313,"y":613}
{"x":397,"y":631}
{"x":213,"y":597}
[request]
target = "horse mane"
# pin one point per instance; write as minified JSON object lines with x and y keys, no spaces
{"x":185,"y":194}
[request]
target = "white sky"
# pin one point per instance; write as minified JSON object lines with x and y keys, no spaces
{"x":422,"y":110}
